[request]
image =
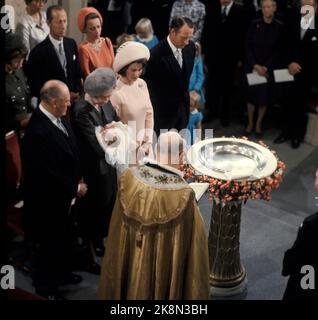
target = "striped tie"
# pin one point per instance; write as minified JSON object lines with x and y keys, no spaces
{"x":61,"y":126}
{"x":62,"y":58}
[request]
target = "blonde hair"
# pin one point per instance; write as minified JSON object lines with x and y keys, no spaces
{"x":144,"y":26}
{"x":124,"y":37}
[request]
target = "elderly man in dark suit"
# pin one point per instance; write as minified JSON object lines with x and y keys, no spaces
{"x":56,"y":57}
{"x":302,"y":62}
{"x":51,"y":183}
{"x":95,"y":110}
{"x":168,"y":74}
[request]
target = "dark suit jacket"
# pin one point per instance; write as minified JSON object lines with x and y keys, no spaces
{"x":169,"y":85}
{"x":264,"y":45}
{"x":223,"y":42}
{"x":303,"y":51}
{"x":158,"y":11}
{"x":43,"y":65}
{"x":304,"y":252}
{"x":51,"y":168}
{"x":84,"y":119}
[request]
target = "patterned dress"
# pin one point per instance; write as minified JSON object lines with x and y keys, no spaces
{"x":195,"y":10}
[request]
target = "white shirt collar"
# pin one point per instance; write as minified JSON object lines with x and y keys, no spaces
{"x":48,"y":114}
{"x":30,"y":20}
{"x":228,"y":8}
{"x":172,"y":46}
{"x":168,"y":168}
{"x":55,"y":42}
{"x":88,"y":98}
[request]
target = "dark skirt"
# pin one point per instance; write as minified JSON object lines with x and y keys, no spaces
{"x":261,"y":94}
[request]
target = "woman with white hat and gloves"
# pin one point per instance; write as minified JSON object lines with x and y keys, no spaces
{"x":131,"y":98}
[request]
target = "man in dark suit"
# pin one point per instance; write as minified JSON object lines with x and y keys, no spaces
{"x":223,"y":47}
{"x":303,"y":253}
{"x":168,"y":74}
{"x":55,"y":58}
{"x":301,"y":57}
{"x":51,"y":182}
{"x":93,"y":111}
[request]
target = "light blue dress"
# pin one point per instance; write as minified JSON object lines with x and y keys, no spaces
{"x":149,"y":44}
{"x":197,"y":78}
{"x":195,"y":117}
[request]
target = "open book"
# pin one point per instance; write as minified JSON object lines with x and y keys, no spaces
{"x":199,"y":189}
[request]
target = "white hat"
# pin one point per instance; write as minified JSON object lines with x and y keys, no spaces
{"x":129,"y":52}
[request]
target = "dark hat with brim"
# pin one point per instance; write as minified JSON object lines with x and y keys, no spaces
{"x":14,"y":46}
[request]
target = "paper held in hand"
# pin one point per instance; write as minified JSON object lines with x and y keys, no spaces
{"x":254,"y":79}
{"x":199,"y":189}
{"x":283,"y":75}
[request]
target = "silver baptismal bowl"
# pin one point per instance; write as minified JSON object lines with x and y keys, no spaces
{"x":232,"y":159}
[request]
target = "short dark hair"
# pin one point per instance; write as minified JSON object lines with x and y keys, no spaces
{"x":18,"y":53}
{"x":91,"y":16}
{"x":123,"y":71}
{"x":27,"y":2}
{"x":49,"y":11}
{"x":178,"y":22}
{"x":14,"y":47}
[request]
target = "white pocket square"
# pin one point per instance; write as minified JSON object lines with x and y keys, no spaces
{"x":74,"y":57}
{"x":313,"y":39}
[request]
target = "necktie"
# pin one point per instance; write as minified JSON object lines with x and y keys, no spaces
{"x":223,"y":14}
{"x":302,"y":33}
{"x":61,"y":126}
{"x":62,"y":57}
{"x":178,"y":56}
{"x":104,"y":121}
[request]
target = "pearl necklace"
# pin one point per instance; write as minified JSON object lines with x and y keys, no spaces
{"x":96,"y":45}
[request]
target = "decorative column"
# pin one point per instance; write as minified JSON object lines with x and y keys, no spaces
{"x":227,"y":274}
{"x":236,"y":170}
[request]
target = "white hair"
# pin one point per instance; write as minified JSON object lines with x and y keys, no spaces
{"x":99,"y":82}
